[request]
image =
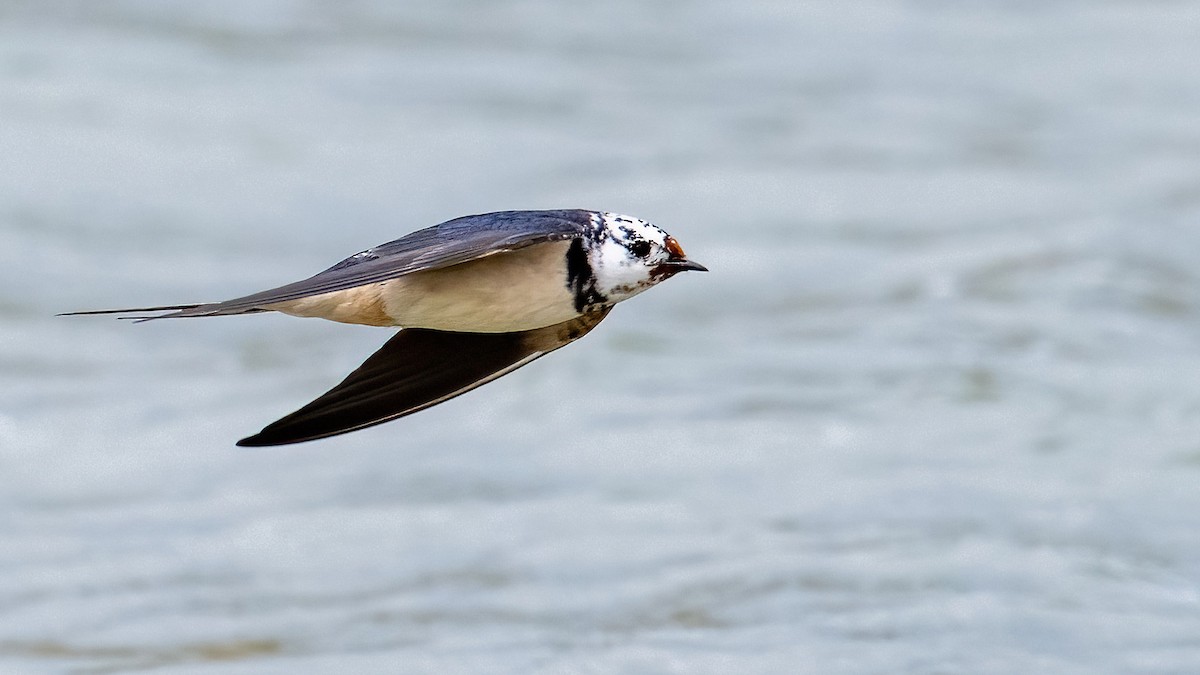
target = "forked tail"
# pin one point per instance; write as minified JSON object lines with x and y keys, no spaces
{"x":172,"y":312}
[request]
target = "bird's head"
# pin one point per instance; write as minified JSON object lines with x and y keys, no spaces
{"x":629,"y":255}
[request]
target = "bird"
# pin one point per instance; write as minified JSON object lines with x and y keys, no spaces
{"x":475,"y":298}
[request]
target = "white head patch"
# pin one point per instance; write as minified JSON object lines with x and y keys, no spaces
{"x":625,"y":252}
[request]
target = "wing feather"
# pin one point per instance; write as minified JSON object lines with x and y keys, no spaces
{"x":450,"y":243}
{"x":414,"y":370}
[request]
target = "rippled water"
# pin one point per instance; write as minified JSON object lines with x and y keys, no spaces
{"x":935,"y":409}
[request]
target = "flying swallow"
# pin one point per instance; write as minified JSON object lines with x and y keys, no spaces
{"x":475,"y":297}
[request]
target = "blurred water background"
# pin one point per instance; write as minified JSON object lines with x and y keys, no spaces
{"x":935,"y":409}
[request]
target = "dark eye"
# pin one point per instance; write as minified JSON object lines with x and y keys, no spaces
{"x":640,"y":248}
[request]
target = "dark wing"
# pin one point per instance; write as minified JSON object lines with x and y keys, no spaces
{"x":414,"y":370}
{"x":451,"y":243}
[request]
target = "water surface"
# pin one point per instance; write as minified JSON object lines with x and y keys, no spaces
{"x":933,"y":410}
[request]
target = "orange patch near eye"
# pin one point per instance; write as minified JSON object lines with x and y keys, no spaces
{"x":674,"y":248}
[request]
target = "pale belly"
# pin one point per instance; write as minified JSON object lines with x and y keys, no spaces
{"x":507,"y":292}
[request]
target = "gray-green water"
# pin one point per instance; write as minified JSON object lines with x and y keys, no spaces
{"x":935,"y":409}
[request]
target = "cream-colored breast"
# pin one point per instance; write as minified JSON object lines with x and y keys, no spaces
{"x":516,"y":291}
{"x":506,"y":292}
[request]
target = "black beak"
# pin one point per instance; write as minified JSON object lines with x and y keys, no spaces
{"x":683,"y":265}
